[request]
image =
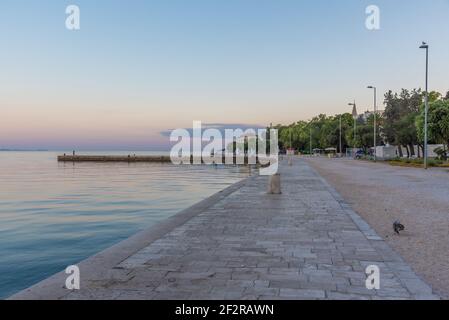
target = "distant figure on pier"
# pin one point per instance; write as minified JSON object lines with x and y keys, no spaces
{"x":73,"y":152}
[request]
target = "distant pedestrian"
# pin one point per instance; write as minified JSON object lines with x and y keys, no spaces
{"x":73,"y":152}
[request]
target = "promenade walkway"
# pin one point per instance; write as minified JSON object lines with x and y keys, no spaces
{"x":244,"y":244}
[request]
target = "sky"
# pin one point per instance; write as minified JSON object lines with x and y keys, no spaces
{"x":138,"y":68}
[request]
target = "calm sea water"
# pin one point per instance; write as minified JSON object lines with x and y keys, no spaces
{"x":54,"y":214}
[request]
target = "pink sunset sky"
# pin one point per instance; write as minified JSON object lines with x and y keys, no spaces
{"x":136,"y":70}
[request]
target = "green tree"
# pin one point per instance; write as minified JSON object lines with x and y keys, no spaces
{"x":447,"y":96}
{"x":365,"y":133}
{"x":434,"y":96}
{"x":324,"y":131}
{"x":438,"y":122}
{"x":407,"y":133}
{"x":399,"y":118}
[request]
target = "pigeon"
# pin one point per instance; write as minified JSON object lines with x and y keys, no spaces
{"x":398,"y":227}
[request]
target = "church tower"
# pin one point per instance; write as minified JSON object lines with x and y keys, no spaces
{"x":354,"y":111}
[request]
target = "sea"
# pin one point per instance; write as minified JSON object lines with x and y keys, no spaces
{"x":55,"y":214}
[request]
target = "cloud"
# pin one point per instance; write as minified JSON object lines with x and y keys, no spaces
{"x":219,"y":126}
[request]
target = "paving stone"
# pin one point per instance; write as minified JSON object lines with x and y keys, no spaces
{"x":303,"y":293}
{"x":346,"y":296}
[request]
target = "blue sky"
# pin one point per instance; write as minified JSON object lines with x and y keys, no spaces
{"x":137,"y":68}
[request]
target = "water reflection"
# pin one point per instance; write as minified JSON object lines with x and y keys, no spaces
{"x":55,"y":214}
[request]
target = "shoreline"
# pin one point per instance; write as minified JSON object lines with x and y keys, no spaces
{"x":52,"y":288}
{"x":241,"y":243}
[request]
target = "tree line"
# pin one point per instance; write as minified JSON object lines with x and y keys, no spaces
{"x":400,"y":124}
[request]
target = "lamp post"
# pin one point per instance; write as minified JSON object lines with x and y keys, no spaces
{"x":291,"y":138}
{"x":375,"y":121}
{"x":354,"y":115}
{"x":426,"y":102}
{"x":341,"y":151}
{"x":310,"y":141}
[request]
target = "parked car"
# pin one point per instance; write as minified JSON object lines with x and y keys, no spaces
{"x":359,"y":154}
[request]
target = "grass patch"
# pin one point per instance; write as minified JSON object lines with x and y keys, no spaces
{"x":418,"y":163}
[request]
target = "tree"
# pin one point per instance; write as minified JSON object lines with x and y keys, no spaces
{"x":301,"y":136}
{"x":324,"y":131}
{"x":438,"y":122}
{"x":399,"y":118}
{"x":347,"y":124}
{"x":365,"y":133}
{"x":407,"y":134}
{"x":401,"y":124}
{"x":434,"y":96}
{"x":447,"y":96}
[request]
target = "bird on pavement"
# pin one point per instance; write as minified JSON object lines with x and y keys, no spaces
{"x":398,"y":227}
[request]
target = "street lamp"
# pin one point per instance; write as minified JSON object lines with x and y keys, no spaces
{"x":310,"y":146}
{"x":354,"y":115}
{"x":341,"y":151}
{"x":375,"y":121}
{"x":426,"y":101}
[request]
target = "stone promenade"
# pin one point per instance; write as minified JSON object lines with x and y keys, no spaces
{"x":304,"y":244}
